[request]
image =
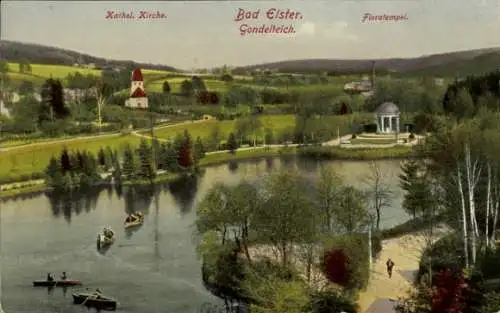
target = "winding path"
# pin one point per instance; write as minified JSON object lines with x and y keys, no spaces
{"x":382,"y":292}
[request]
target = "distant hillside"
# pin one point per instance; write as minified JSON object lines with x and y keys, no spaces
{"x":16,"y":51}
{"x":437,"y":64}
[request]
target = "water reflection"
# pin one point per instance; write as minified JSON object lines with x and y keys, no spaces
{"x":184,"y":191}
{"x":130,"y":231}
{"x":138,"y":198}
{"x":71,"y":203}
{"x":227,"y":307}
{"x":269,"y":163}
{"x":232,"y":166}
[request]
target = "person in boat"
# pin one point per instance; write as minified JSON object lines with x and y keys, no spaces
{"x":129,"y":219}
{"x":63,"y":276}
{"x":50,"y":277}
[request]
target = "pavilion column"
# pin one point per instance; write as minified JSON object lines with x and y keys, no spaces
{"x":382,"y":118}
{"x":397,"y":124}
{"x":390,"y":123}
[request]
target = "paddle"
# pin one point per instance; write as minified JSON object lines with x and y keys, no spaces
{"x":91,"y":297}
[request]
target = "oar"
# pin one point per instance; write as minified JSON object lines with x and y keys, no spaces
{"x":91,"y":297}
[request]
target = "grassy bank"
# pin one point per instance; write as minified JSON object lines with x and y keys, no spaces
{"x":357,"y":154}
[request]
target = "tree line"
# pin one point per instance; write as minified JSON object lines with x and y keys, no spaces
{"x":79,"y":169}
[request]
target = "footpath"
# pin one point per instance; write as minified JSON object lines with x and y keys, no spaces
{"x":382,"y":293}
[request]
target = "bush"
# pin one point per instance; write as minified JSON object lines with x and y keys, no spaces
{"x":353,"y":250}
{"x":328,"y":301}
{"x":353,"y":136}
{"x":411,"y":137}
{"x":370,"y":128}
{"x":446,"y":253}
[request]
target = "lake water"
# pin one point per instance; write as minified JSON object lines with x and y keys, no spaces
{"x":155,"y":269}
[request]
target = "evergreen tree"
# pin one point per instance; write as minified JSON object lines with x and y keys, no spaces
{"x":117,"y":172}
{"x":166,"y":87}
{"x":129,"y":166}
{"x":199,"y":150}
{"x":54,"y":173}
{"x":232,"y":143}
{"x":161,"y":160}
{"x":171,"y":157}
{"x":65,"y":160}
{"x":145,"y":161}
{"x":53,"y":101}
{"x":80,"y":165}
{"x":101,"y":156}
{"x":186,"y":151}
{"x":418,"y":195}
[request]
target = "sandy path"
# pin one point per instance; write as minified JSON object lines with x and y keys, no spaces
{"x":405,"y":251}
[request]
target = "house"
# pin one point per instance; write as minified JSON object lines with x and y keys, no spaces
{"x":207,"y":117}
{"x":75,"y":94}
{"x":138,"y":97}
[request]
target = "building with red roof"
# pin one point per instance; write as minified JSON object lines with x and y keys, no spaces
{"x":138,"y":97}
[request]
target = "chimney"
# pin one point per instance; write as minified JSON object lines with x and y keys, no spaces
{"x":373,"y":75}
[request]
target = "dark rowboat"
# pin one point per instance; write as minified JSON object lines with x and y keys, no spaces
{"x":96,"y":301}
{"x":56,"y":283}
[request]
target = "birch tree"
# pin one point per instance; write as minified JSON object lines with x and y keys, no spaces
{"x":379,"y":192}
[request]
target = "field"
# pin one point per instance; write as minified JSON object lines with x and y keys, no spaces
{"x":40,"y":72}
{"x":33,"y":159}
{"x":175,"y":84}
{"x":277,"y":123}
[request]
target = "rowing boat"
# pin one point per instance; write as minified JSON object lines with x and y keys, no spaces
{"x":138,"y":219}
{"x":58,"y":283}
{"x":99,"y":302}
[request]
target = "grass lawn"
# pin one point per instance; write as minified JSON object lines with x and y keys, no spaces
{"x":34,"y":159}
{"x":175,"y":84}
{"x":203,"y":129}
{"x":56,"y":71}
{"x":40,"y":72}
{"x":18,"y":78}
{"x":372,"y":141}
{"x":217,"y":158}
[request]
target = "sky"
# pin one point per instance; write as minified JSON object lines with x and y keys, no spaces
{"x":205,"y":34}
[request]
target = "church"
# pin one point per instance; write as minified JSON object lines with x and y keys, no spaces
{"x":138,"y":98}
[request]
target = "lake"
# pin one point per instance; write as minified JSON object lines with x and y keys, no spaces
{"x":155,"y":268}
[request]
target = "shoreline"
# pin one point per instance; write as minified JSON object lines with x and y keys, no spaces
{"x":222,"y":157}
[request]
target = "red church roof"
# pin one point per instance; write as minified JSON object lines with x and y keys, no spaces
{"x":138,"y":93}
{"x":137,"y":75}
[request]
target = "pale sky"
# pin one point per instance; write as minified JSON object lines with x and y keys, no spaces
{"x":204,"y":34}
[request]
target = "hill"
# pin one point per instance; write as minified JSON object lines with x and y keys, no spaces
{"x":38,"y":54}
{"x":435,"y":63}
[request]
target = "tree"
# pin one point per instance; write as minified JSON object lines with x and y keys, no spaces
{"x":215,"y":138}
{"x":211,"y":213}
{"x":286,"y":215}
{"x":166,"y":87}
{"x":232,"y":144}
{"x":226,"y":78}
{"x":53,"y":99}
{"x":65,"y":161}
{"x":54,"y":173}
{"x":145,"y":161}
{"x":413,"y":182}
{"x":129,"y":168}
{"x":199,"y":150}
{"x":328,"y":190}
{"x":187,"y":88}
{"x":101,"y":157}
{"x":379,"y":193}
{"x":186,"y":151}
{"x":198,"y":84}
{"x":351,"y":215}
{"x":26,"y":87}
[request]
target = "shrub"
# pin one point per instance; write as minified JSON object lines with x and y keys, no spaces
{"x":353,"y":136}
{"x":331,"y":301}
{"x":370,"y":128}
{"x":446,"y":253}
{"x":411,"y":137}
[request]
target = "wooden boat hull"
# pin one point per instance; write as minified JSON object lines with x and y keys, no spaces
{"x":133,"y":224}
{"x":56,"y":283}
{"x":90,"y":300}
{"x":103,"y":242}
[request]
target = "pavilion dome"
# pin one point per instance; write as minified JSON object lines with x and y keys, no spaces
{"x":387,"y":108}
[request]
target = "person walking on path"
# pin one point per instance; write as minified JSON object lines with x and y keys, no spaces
{"x":390,"y":265}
